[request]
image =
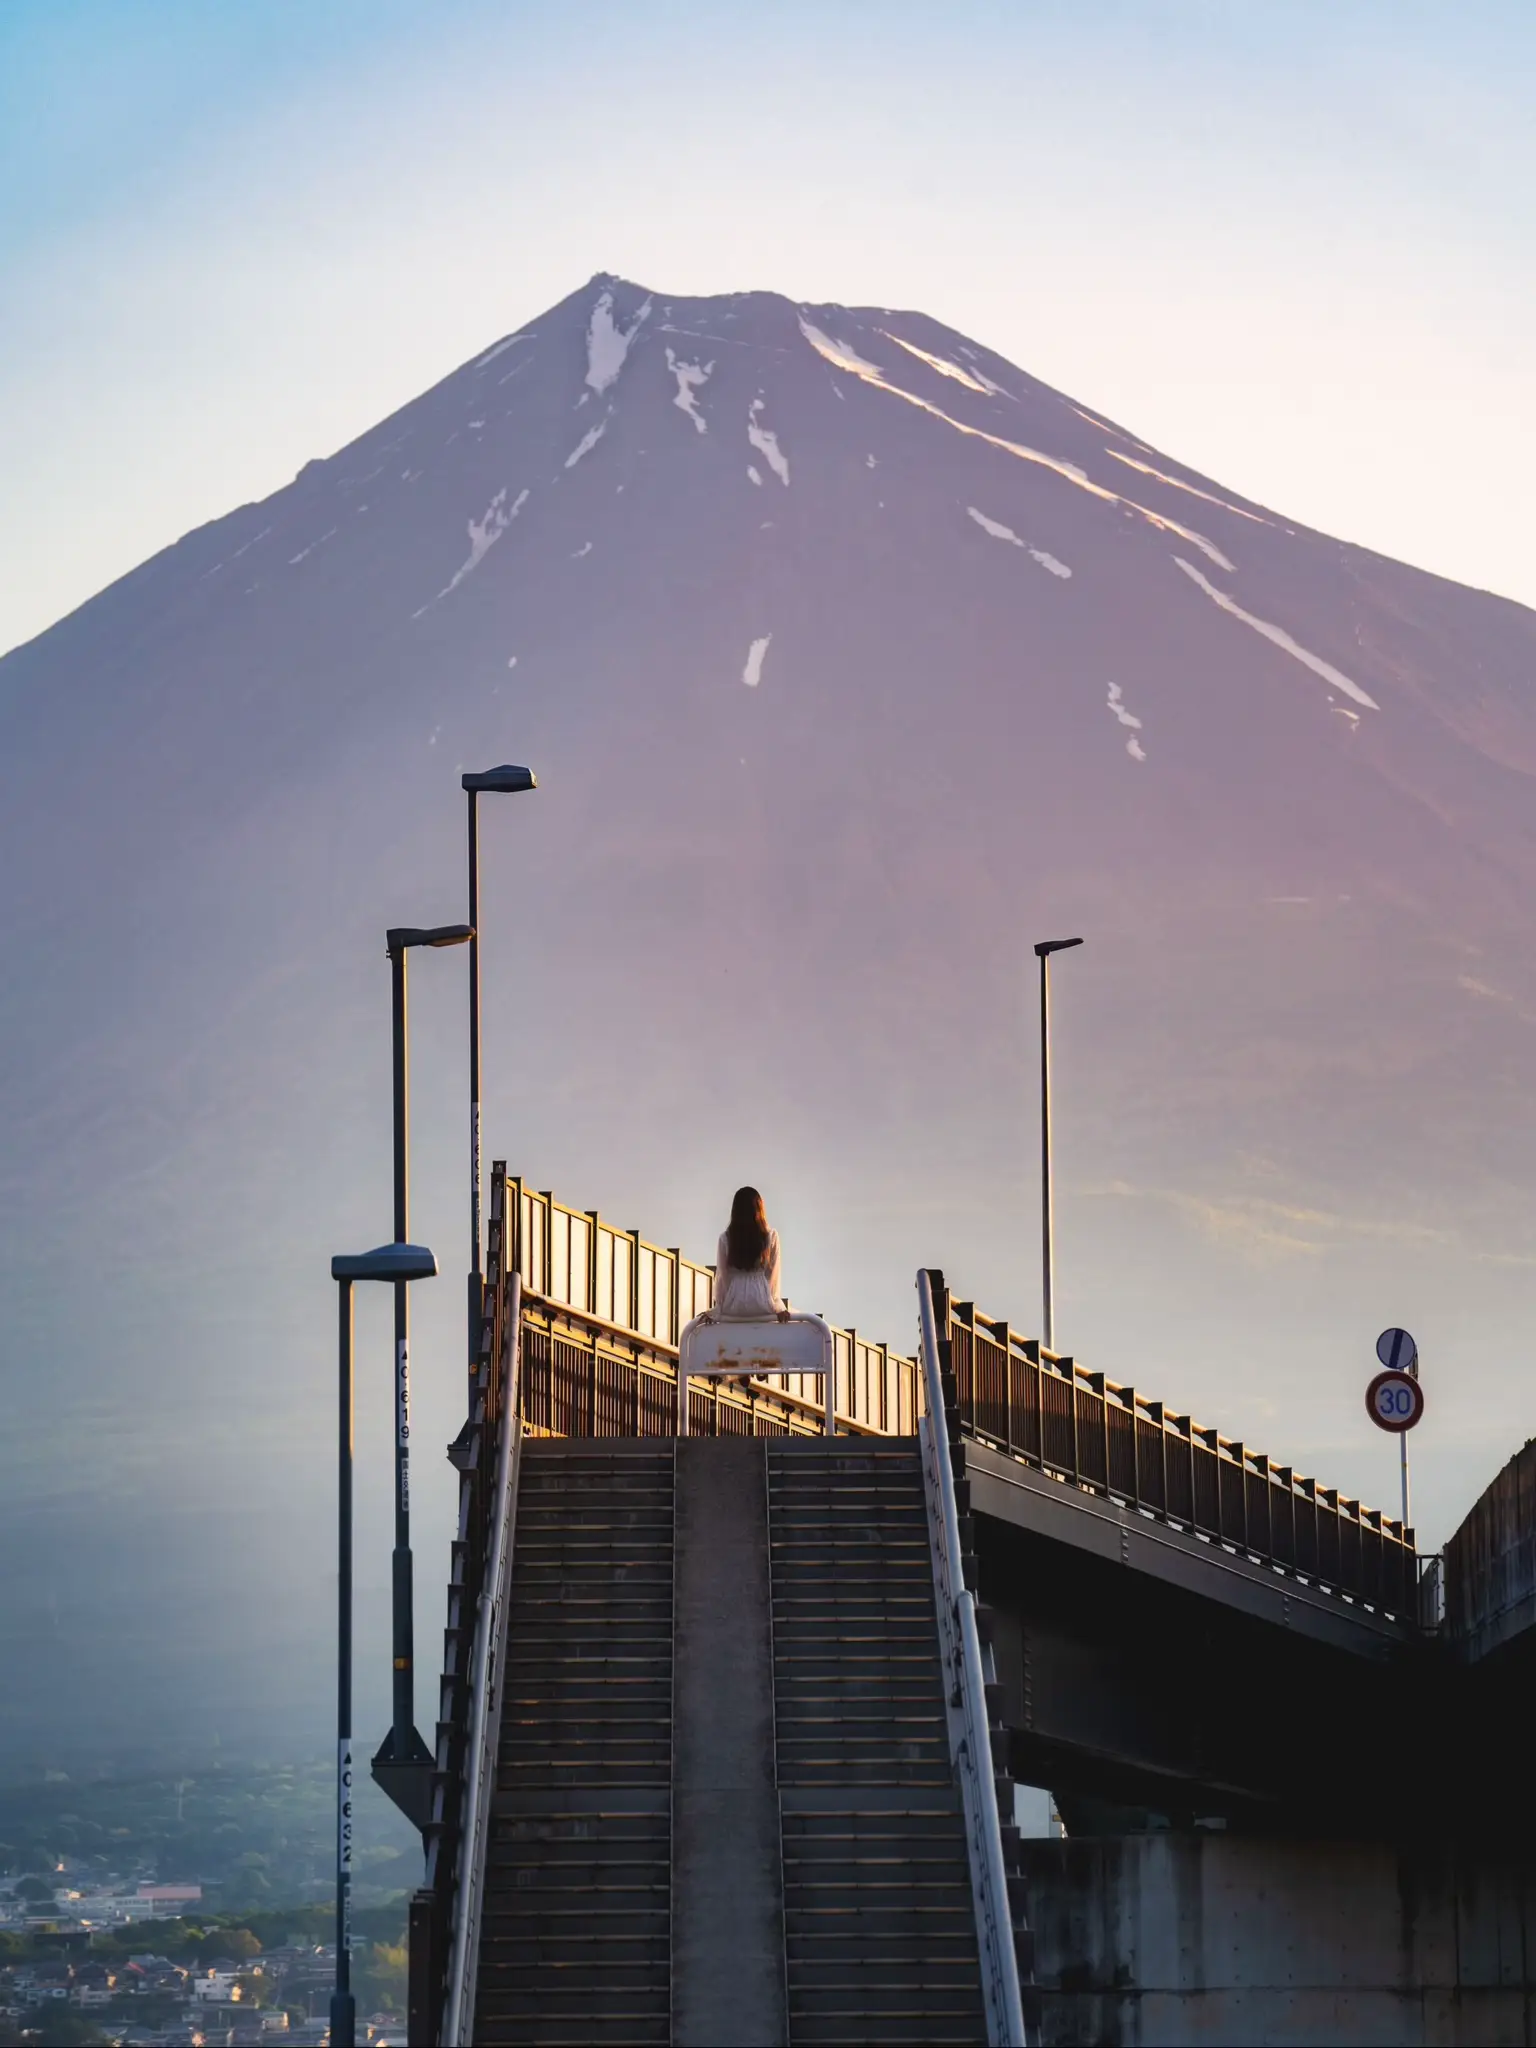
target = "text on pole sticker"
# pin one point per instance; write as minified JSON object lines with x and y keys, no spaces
{"x":1394,"y":1401}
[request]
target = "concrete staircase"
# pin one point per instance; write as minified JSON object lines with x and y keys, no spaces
{"x":576,"y":1931}
{"x":880,"y":1930}
{"x":725,"y":1814}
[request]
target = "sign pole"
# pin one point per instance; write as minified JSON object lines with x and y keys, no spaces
{"x":1402,"y":1445}
{"x":1394,"y":1399}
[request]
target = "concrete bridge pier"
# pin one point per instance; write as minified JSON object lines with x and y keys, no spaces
{"x":1196,"y":1938}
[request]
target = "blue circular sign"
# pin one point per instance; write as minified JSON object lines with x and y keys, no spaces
{"x":1397,"y":1351}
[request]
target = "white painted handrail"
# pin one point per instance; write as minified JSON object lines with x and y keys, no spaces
{"x":966,"y":1699}
{"x":715,"y":1346}
{"x":485,"y":1715}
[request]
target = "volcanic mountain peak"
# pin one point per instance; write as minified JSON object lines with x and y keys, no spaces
{"x":850,"y":658}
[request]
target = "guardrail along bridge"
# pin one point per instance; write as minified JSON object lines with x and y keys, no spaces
{"x":732,"y":1709}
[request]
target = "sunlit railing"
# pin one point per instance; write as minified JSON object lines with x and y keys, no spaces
{"x":620,"y":1286}
{"x":603,"y":1308}
{"x":1490,"y":1563}
{"x":1089,"y":1430}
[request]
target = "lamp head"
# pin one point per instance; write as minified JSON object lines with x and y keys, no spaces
{"x":1048,"y":946}
{"x":401,"y":936}
{"x":386,"y":1262}
{"x":503,"y":781}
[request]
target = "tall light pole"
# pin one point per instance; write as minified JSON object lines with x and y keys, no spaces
{"x":403,"y":1765}
{"x":503,"y":781}
{"x":400,"y":1263}
{"x":1043,"y":953}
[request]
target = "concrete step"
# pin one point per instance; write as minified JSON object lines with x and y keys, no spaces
{"x":880,"y":1935}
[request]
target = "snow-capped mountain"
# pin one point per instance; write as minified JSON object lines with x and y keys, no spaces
{"x":851,"y":659}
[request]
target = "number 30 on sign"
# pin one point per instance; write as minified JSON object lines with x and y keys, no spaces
{"x":1394,"y":1401}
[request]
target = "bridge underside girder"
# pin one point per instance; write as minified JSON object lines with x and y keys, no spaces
{"x":1141,"y":1702}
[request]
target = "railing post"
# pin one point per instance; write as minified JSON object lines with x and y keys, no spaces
{"x":1128,"y":1395}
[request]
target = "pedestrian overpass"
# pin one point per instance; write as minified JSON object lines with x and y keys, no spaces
{"x":732,"y":1710}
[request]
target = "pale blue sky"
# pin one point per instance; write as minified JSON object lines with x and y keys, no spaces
{"x":1288,"y":241}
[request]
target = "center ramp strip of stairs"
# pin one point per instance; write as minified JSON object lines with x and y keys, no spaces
{"x":576,"y":1932}
{"x":880,"y":1929}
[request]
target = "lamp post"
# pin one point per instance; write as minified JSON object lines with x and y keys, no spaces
{"x":400,"y":1263}
{"x":403,"y":1765}
{"x":1043,"y":953}
{"x":503,"y":781}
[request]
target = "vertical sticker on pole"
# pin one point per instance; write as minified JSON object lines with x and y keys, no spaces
{"x":344,"y":1807}
{"x":403,"y":1421}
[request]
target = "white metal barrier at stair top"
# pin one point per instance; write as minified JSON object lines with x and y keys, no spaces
{"x":749,"y":1347}
{"x":485,"y":1710}
{"x":965,"y":1681}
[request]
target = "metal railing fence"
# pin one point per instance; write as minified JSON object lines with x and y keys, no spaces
{"x":626,"y":1301}
{"x":476,"y":1453}
{"x":584,"y":1377}
{"x":1490,"y":1562}
{"x":1108,"y":1439}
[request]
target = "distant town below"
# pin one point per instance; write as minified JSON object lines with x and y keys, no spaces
{"x":192,"y":1909}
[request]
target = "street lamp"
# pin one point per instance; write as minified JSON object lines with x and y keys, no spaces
{"x":1043,"y":953}
{"x":403,"y":1765}
{"x":503,"y":781}
{"x":399,"y":1263}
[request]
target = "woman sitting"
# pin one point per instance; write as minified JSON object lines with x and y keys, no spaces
{"x":747,"y":1275}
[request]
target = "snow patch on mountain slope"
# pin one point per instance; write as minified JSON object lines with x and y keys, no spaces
{"x":846,"y":358}
{"x":1133,"y":746}
{"x":1281,"y":639}
{"x":752,"y":674}
{"x":690,"y":377}
{"x":945,"y":368}
{"x":320,"y":543}
{"x":766,"y":442}
{"x":1000,"y":532}
{"x":587,"y":443}
{"x":754,"y":473}
{"x":1209,"y":496}
{"x":607,"y":342}
{"x":484,"y":533}
{"x":238,"y":553}
{"x":839,"y":353}
{"x":499,"y":349}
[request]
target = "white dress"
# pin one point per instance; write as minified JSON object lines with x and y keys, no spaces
{"x":750,"y":1291}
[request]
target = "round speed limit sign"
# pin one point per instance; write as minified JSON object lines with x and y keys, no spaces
{"x":1394,"y":1401}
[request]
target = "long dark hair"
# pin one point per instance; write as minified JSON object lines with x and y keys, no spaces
{"x":746,"y":1237}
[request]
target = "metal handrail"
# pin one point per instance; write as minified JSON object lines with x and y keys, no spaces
{"x":969,"y":1737}
{"x":1052,"y":1414}
{"x":554,"y":1310}
{"x":484,"y":1723}
{"x":764,"y":1332}
{"x":882,"y":1387}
